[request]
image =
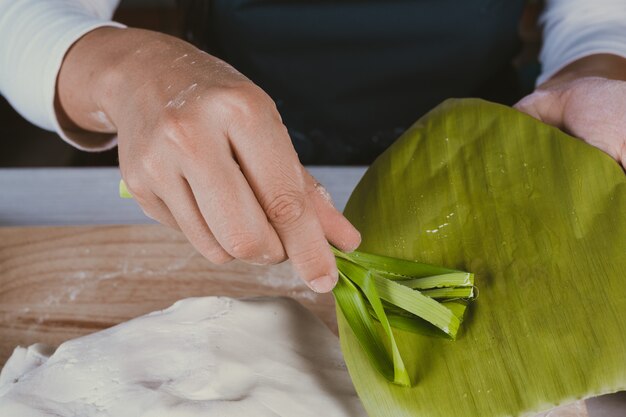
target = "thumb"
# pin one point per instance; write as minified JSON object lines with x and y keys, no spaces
{"x":590,"y":109}
{"x":544,"y":105}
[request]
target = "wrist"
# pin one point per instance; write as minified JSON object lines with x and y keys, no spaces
{"x":607,"y":66}
{"x":105,"y":68}
{"x":82,"y":79}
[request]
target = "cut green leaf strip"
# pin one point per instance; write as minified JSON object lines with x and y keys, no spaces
{"x":374,"y":288}
{"x":354,"y":308}
{"x":400,"y":268}
{"x":123,"y":190}
{"x":453,"y":279}
{"x":365,"y":281}
{"x":450,"y":293}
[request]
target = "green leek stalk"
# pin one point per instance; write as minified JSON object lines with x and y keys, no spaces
{"x":393,"y":293}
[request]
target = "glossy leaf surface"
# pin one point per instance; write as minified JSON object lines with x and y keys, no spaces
{"x":540,"y":218}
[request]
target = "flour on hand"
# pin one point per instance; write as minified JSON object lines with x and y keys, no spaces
{"x":202,"y":356}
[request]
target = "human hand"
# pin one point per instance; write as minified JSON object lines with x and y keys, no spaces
{"x":204,"y":150}
{"x":586,"y":100}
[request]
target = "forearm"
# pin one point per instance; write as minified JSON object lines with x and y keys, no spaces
{"x":607,"y":66}
{"x":579,"y":36}
{"x":34,"y":38}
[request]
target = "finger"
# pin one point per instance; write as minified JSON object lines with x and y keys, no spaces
{"x":275,"y":175}
{"x":151,"y":205}
{"x":158,"y":211}
{"x":338,"y":230}
{"x":181,"y":203}
{"x":561,"y":108}
{"x":231,"y":210}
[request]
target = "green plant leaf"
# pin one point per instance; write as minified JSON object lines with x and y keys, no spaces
{"x":360,"y":271}
{"x":385,"y":292}
{"x":414,"y":302}
{"x":449,"y":293}
{"x":452,"y":279}
{"x":354,"y":310}
{"x":123,"y":190}
{"x":396,"y":268}
{"x":402,"y":297}
{"x":400,"y":319}
{"x":539,"y":217}
{"x":365,"y":281}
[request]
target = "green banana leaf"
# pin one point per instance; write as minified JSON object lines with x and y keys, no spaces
{"x":540,"y":218}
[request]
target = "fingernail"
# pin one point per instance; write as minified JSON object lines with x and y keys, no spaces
{"x":323,"y":284}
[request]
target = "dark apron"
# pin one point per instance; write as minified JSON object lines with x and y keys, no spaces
{"x":349,"y":76}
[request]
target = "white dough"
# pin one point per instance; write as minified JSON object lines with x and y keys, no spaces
{"x":211,"y":356}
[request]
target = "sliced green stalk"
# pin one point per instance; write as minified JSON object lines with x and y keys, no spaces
{"x":355,"y":310}
{"x":453,"y":279}
{"x":449,"y":293}
{"x":394,"y":268}
{"x":123,"y":190}
{"x":363,"y":279}
{"x":400,"y":319}
{"x":427,"y":305}
{"x":410,"y":324}
{"x":418,"y":304}
{"x":457,"y":307}
{"x":405,"y":298}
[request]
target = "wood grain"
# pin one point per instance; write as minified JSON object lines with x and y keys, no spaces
{"x":58,"y":283}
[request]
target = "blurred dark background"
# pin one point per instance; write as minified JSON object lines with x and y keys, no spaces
{"x":24,"y":145}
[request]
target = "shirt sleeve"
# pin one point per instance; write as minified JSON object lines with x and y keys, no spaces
{"x":36,"y":35}
{"x":573,"y":29}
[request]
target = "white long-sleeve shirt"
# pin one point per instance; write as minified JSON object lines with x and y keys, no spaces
{"x":35,"y":35}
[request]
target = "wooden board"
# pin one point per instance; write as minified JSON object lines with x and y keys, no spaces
{"x":58,"y":283}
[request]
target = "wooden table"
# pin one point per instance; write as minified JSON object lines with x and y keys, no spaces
{"x":58,"y":283}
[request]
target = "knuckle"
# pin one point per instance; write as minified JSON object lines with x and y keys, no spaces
{"x":138,"y":187}
{"x":151,"y":167}
{"x":286,"y":208}
{"x":241,"y":101}
{"x":170,"y":124}
{"x":177,"y":133}
{"x":308,"y":258}
{"x":244,"y":245}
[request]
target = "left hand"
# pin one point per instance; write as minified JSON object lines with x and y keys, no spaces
{"x":587,"y":99}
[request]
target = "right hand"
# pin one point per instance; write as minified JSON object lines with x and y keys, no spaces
{"x":204,"y":150}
